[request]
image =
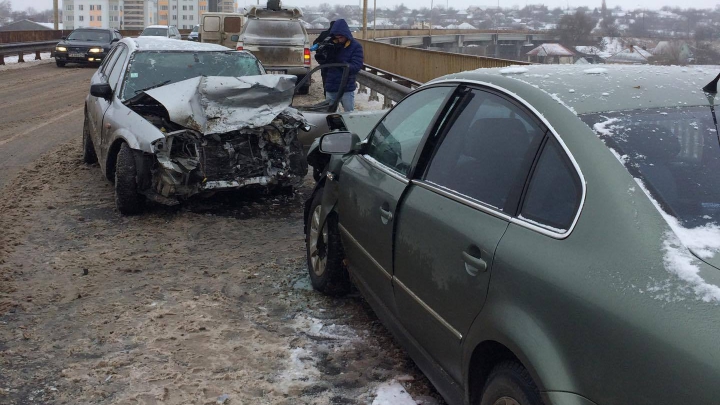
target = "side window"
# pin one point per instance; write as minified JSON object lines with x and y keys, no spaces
{"x":117,"y":68}
{"x":397,"y":136}
{"x":555,"y":191}
{"x":486,"y":153}
{"x":109,"y":60}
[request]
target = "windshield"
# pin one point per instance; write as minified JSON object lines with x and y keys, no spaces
{"x":268,"y":29}
{"x":196,"y":28}
{"x":154,"y":32}
{"x":676,"y":152}
{"x":154,"y":68}
{"x":88,"y":35}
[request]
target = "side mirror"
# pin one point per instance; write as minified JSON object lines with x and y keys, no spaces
{"x":235,"y":38}
{"x":63,"y":38}
{"x":114,"y":40}
{"x":339,"y":143}
{"x":102,"y":90}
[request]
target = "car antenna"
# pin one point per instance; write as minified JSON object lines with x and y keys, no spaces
{"x":712,"y":86}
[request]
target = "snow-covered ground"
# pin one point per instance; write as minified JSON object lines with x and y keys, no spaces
{"x":11,"y":62}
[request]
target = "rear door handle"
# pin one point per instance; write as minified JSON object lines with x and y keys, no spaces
{"x":385,"y":215}
{"x":474,"y":265}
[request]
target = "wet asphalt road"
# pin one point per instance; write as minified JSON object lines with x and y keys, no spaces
{"x":41,"y":107}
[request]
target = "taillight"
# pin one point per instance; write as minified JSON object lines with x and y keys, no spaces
{"x":306,"y":58}
{"x":239,"y":46}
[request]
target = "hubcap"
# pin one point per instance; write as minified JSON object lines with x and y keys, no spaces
{"x":506,"y":401}
{"x":318,"y":243}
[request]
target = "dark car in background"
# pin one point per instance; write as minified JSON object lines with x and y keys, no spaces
{"x":536,"y":235}
{"x":86,"y":46}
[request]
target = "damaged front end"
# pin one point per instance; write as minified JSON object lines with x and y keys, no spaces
{"x":222,"y":133}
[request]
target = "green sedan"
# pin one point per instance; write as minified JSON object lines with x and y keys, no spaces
{"x":536,"y":235}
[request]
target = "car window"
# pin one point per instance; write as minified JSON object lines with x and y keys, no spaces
{"x":485,"y":153}
{"x":110,"y":60}
{"x":555,"y":191}
{"x":396,"y":138}
{"x":117,"y":68}
{"x":258,"y":29}
{"x":211,"y":24}
{"x":232,"y":24}
{"x":155,"y":32}
{"x":89,"y":36}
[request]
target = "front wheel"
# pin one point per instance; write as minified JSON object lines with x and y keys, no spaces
{"x":127,"y":198}
{"x":59,"y":63}
{"x":324,"y":252}
{"x":510,"y":383}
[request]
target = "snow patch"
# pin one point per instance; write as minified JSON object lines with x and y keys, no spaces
{"x":514,"y":70}
{"x":604,"y":128}
{"x":392,"y":393}
{"x":595,"y":71}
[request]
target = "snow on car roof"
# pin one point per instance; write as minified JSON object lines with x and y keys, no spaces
{"x":605,"y":88}
{"x":169,"y":44}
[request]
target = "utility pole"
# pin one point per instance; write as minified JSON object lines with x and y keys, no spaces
{"x":374,"y":19}
{"x":56,"y":14}
{"x":365,"y":33}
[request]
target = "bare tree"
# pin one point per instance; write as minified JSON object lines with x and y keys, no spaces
{"x":5,"y":12}
{"x":575,"y":29}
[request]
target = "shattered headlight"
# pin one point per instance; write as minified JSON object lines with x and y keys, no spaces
{"x":61,"y":49}
{"x":95,"y":50}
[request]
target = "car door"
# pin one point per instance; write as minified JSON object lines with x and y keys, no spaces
{"x":98,"y":105}
{"x":451,"y":220}
{"x":373,"y":182}
{"x":114,"y":78}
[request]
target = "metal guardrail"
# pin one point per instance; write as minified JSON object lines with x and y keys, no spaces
{"x":26,"y":47}
{"x":392,"y":87}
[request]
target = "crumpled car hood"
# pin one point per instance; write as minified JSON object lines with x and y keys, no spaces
{"x":218,"y":104}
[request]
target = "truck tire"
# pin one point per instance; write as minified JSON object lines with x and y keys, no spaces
{"x":273,"y":5}
{"x":127,"y":198}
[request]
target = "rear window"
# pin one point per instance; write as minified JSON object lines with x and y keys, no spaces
{"x":155,"y":32}
{"x":259,"y":28}
{"x":675,"y":152}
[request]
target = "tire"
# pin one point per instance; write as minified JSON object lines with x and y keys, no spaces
{"x":59,"y":63}
{"x":317,"y":174}
{"x":127,"y":198}
{"x":324,"y":252}
{"x":89,"y":155}
{"x":509,"y":383}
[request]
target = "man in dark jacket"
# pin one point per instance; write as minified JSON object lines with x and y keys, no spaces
{"x":348,"y":51}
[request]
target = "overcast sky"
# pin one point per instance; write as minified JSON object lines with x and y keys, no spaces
{"x":458,"y":4}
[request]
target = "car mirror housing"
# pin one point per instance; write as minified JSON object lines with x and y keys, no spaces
{"x":63,"y":38}
{"x":114,"y":40}
{"x":339,"y":143}
{"x":235,"y":38}
{"x":101,"y":90}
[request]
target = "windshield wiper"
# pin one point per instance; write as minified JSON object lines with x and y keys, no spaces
{"x":153,"y":87}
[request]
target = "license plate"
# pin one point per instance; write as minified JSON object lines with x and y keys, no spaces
{"x":76,"y":55}
{"x":276,"y":72}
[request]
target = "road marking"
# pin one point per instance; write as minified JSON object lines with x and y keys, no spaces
{"x":35,"y":128}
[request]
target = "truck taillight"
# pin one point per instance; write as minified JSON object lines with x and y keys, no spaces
{"x":306,"y":58}
{"x":239,"y":46}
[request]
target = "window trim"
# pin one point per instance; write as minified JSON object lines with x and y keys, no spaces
{"x":423,"y":140}
{"x":550,"y":132}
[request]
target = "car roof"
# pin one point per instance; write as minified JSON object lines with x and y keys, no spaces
{"x":600,"y":88}
{"x":159,"y":26}
{"x":169,"y":44}
{"x":94,"y":29}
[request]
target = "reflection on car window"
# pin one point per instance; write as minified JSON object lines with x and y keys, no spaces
{"x":149,"y":69}
{"x":117,"y":68}
{"x":397,"y":136}
{"x":676,"y":152}
{"x":89,"y":35}
{"x":110,"y":60}
{"x":483,"y":153}
{"x":554,"y":194}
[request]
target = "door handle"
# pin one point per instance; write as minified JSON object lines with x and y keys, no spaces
{"x":474,"y":265}
{"x":385,"y":215}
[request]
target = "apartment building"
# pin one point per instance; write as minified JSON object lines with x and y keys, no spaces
{"x":186,"y":13}
{"x":119,"y":14}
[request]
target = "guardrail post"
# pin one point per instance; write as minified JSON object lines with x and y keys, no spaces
{"x":21,"y":58}
{"x":37,"y":55}
{"x":387,"y":103}
{"x":2,"y":59}
{"x":362,"y":89}
{"x":373,"y":95}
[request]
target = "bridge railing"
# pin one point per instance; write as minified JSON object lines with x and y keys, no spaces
{"x":423,"y":65}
